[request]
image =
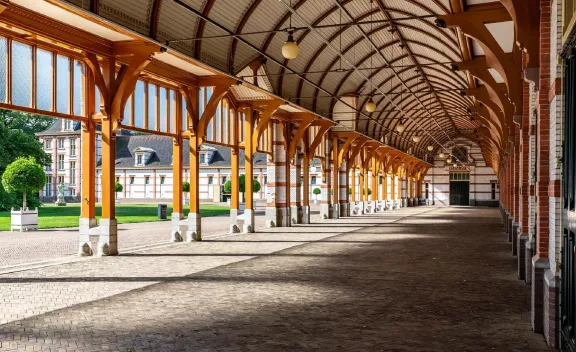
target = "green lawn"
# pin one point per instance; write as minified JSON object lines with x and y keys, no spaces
{"x":52,"y":216}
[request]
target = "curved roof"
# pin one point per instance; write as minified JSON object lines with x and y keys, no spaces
{"x":389,"y":49}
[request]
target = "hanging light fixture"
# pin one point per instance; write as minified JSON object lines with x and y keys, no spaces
{"x":430,"y":148}
{"x":370,"y":105}
{"x":441,"y":155}
{"x":400,"y":127}
{"x":449,"y":160}
{"x":290,"y":49}
{"x":416,"y":139}
{"x":455,"y":165}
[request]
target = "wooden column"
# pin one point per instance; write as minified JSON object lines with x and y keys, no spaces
{"x":235,"y":176}
{"x":177,"y":210}
{"x":353,"y":185}
{"x":335,"y":179}
{"x":88,"y":182}
{"x":361,"y":184}
{"x":249,"y":172}
{"x":194,"y":232}
{"x":374,"y":180}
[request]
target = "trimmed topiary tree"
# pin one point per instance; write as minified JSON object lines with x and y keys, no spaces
{"x":242,"y":180}
{"x":24,"y":175}
{"x":369,"y":191}
{"x":316,"y":192}
{"x":185,"y":186}
{"x":118,"y":187}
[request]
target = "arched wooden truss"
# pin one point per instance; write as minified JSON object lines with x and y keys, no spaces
{"x":423,"y":61}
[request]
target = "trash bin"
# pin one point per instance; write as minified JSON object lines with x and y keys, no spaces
{"x":162,"y":210}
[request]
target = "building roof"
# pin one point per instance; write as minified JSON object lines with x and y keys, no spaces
{"x":126,"y":146}
{"x":56,"y":129}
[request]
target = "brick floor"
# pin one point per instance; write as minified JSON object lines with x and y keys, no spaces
{"x":416,"y":279}
{"x":18,"y":248}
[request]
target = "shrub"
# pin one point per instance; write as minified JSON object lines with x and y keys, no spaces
{"x":242,"y":179}
{"x":118,"y":187}
{"x":23,"y":175}
{"x":186,"y":186}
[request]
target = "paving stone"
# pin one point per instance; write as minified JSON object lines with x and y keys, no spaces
{"x":415,"y":279}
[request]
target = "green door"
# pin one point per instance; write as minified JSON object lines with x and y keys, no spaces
{"x":459,"y":192}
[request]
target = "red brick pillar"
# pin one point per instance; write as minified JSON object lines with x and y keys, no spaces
{"x":516,"y":190}
{"x":524,"y":258}
{"x":540,"y":261}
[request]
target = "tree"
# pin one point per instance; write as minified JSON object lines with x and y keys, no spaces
{"x":369,"y":191}
{"x":316,"y":192}
{"x":185,"y":186}
{"x":27,"y":123}
{"x":349,"y":190}
{"x":24,"y":175}
{"x":19,"y":141}
{"x":118,"y":187}
{"x":242,"y":180}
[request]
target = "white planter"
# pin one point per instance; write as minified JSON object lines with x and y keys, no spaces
{"x":24,"y":220}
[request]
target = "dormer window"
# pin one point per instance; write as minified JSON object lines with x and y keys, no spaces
{"x":142,"y":156}
{"x":203,"y":159}
{"x":67,"y":125}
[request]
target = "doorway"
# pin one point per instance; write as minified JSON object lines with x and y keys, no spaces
{"x":460,"y":188}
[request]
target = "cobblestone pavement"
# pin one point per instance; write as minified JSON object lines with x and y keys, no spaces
{"x":31,"y":247}
{"x":415,"y":279}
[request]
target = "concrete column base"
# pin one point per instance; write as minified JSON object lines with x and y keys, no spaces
{"x":84,"y":242}
{"x":108,"y":240}
{"x":306,"y":214}
{"x":325,"y":211}
{"x":234,"y":221}
{"x":551,"y":308}
{"x":176,"y":231}
{"x":344,"y":210}
{"x":539,"y":267}
{"x":335,"y":211}
{"x":522,"y":239}
{"x":515,"y":239}
{"x":194,"y":232}
{"x":248,"y":226}
{"x":277,"y":217}
{"x":296,"y":214}
{"x":529,"y":255}
{"x":506,"y":216}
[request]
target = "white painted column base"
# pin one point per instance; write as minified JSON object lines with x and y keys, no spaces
{"x":176,"y":231}
{"x":248,"y":226}
{"x":306,"y":214}
{"x":335,"y":211}
{"x":108,"y":240}
{"x":324,"y":211}
{"x":194,"y":232}
{"x":277,"y":217}
{"x":85,"y":245}
{"x":234,"y":221}
{"x":344,"y":210}
{"x":296,"y":214}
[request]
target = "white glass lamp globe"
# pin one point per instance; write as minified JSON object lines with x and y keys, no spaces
{"x":400,"y":127}
{"x":370,"y":105}
{"x":441,"y":155}
{"x":430,"y":148}
{"x":290,"y":49}
{"x":416,"y":139}
{"x":449,"y":160}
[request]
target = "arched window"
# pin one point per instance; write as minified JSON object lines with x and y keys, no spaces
{"x":460,"y":153}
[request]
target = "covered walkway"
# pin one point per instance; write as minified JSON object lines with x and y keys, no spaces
{"x":430,"y":279}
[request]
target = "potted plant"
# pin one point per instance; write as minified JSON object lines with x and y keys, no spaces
{"x":24,"y":175}
{"x":118,"y":188}
{"x":316,"y":192}
{"x":242,"y":185}
{"x":186,"y":189}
